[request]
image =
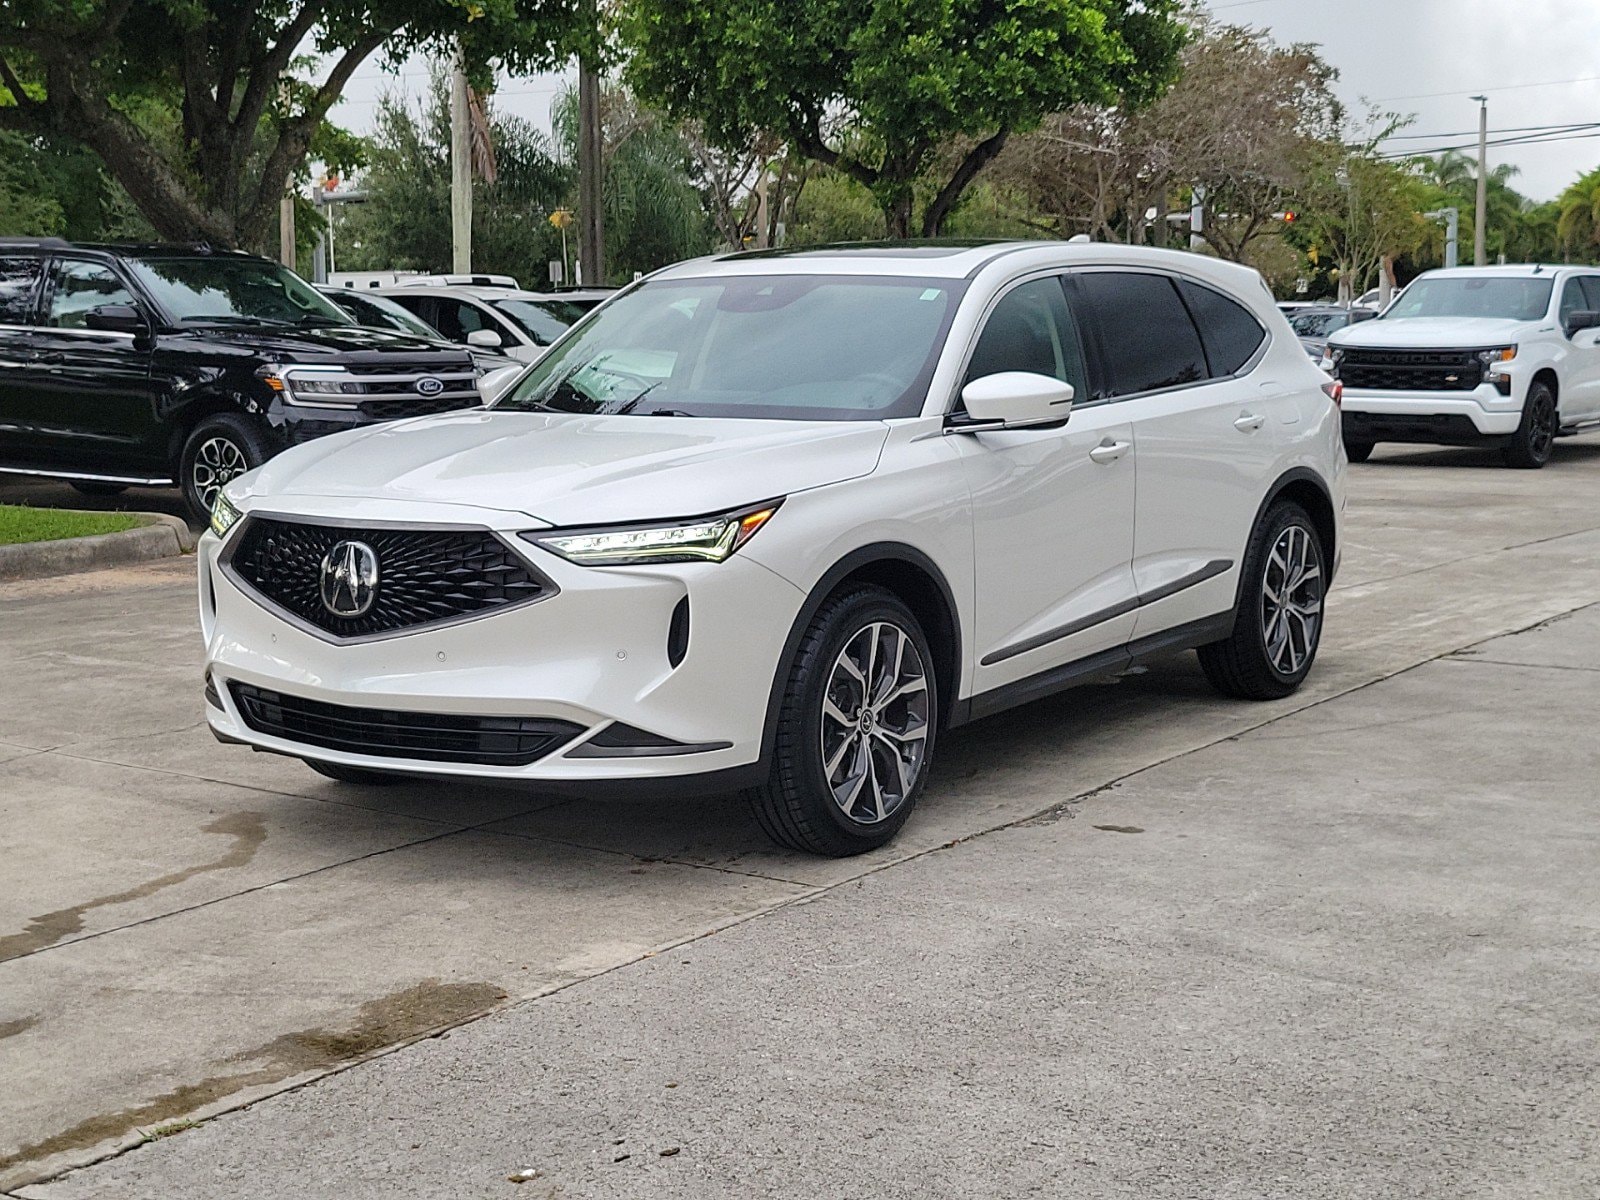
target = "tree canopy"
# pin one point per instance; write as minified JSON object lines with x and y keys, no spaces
{"x":203,"y":109}
{"x":876,"y":89}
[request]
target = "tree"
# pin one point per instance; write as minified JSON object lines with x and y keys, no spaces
{"x":876,"y":88}
{"x":1236,"y":123}
{"x":196,"y":107}
{"x":1360,"y":210}
{"x":1578,"y":224}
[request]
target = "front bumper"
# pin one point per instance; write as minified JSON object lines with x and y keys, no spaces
{"x":1430,"y":416}
{"x":595,"y":654}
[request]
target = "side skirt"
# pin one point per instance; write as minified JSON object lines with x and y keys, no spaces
{"x":1107,"y":662}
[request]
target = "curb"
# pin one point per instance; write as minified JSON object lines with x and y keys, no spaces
{"x":161,"y":536}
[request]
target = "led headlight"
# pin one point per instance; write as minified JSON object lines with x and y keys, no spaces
{"x":314,"y":387}
{"x":224,"y":516}
{"x":1492,"y":358}
{"x":703,"y":539}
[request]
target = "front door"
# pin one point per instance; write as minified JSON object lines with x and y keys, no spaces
{"x":1580,"y":398}
{"x":92,"y":398}
{"x":1052,"y":509}
{"x":19,"y":291}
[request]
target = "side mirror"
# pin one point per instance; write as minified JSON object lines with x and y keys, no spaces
{"x":115,"y":318}
{"x":1017,"y":400}
{"x":497,"y":382}
{"x":484,"y":339}
{"x":1579,"y":321}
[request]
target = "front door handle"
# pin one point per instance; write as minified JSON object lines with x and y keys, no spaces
{"x":1249,"y":423}
{"x":1109,"y":451}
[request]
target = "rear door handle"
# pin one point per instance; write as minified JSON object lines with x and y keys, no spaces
{"x":1249,"y":423}
{"x":1109,"y":451}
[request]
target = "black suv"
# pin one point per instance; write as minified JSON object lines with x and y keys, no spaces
{"x":161,"y":364}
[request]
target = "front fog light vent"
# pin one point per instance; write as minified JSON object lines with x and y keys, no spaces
{"x":678,"y":633}
{"x":214,"y":700}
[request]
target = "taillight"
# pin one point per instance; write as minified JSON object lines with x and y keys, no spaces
{"x":1335,"y":391}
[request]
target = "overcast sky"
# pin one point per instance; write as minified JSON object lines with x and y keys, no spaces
{"x":1538,"y":61}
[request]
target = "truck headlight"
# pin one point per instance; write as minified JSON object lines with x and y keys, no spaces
{"x":701,"y":539}
{"x":1501,"y":354}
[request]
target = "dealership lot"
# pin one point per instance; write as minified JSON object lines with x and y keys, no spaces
{"x":1363,"y":916}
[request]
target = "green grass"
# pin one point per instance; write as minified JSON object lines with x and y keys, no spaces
{"x":18,"y":524}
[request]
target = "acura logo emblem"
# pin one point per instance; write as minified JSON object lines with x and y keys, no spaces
{"x":349,"y":579}
{"x":428,"y":386}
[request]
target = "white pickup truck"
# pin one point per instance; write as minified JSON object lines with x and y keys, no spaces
{"x":1495,"y":356}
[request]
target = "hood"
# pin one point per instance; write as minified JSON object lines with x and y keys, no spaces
{"x":341,"y":343}
{"x":572,"y":470}
{"x":1433,"y":333}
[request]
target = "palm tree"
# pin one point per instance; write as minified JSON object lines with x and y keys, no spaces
{"x":1579,"y":223}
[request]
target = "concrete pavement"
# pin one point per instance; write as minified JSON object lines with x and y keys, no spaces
{"x":200,"y":926}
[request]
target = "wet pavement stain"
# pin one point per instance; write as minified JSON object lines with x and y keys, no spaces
{"x":398,"y":1017}
{"x":248,"y":829}
{"x":20,"y":1025}
{"x":1120,"y":828}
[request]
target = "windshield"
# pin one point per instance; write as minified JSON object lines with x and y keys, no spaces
{"x":1318,"y":324}
{"x":376,"y":312}
{"x":789,"y":347}
{"x":542,"y":320}
{"x":227,"y":290}
{"x":1508,"y":297}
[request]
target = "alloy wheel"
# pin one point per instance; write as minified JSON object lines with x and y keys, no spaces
{"x":1542,"y":428}
{"x":218,"y":460}
{"x":875,"y":723}
{"x":1291,"y":600}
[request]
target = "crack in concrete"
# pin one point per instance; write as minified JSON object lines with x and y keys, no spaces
{"x":248,"y":829}
{"x":9,"y":1029}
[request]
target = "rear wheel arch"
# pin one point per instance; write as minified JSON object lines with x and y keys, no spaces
{"x":1307,"y":489}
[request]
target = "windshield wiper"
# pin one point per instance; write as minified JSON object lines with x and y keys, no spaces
{"x":231,"y":319}
{"x":670,"y":412}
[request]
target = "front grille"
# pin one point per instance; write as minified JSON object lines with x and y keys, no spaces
{"x":388,"y":393}
{"x":384,"y":733}
{"x":1411,"y":370}
{"x":424,"y":575}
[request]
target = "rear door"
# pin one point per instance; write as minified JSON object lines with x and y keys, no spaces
{"x":92,"y":400}
{"x":20,"y":276}
{"x":1580,"y":400}
{"x":1206,"y":433}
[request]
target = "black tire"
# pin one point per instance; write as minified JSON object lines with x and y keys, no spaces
{"x":1248,"y":664}
{"x":798,"y":806}
{"x":1358,"y":451}
{"x":1534,"y":441}
{"x":356,"y":775}
{"x":98,"y":490}
{"x":219,"y":447}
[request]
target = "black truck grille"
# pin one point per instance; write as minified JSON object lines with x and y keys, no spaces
{"x":424,"y":575}
{"x":1411,"y":370}
{"x":387,"y":393}
{"x":384,"y":733}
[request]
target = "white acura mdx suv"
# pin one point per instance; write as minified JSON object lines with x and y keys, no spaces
{"x":776,"y":521}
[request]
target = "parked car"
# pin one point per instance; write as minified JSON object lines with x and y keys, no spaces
{"x":517,"y":323}
{"x":380,"y":312}
{"x":161,"y":365}
{"x":1476,"y":356}
{"x":778,"y":522}
{"x":1313,"y":326}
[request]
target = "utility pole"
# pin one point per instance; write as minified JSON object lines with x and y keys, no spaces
{"x":1452,"y":233}
{"x":1480,"y":244}
{"x":460,"y":168}
{"x":591,"y":214}
{"x":286,"y":246}
{"x":1197,"y":219}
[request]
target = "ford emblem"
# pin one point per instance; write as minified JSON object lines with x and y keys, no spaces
{"x":429,"y":386}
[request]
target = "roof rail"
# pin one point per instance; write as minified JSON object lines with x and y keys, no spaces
{"x":51,"y":243}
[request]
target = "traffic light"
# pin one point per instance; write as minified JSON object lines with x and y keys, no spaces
{"x":1289,"y":218}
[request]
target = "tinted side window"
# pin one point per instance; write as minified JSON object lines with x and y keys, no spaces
{"x":1591,"y":292}
{"x":1031,"y":329}
{"x":79,"y":287}
{"x":19,"y":279}
{"x":1572,"y":299}
{"x":1230,"y":334}
{"x":1145,"y":331}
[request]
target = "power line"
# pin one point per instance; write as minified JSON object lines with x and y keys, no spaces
{"x":1532,"y":140}
{"x":1510,"y":87}
{"x":1433,"y":137}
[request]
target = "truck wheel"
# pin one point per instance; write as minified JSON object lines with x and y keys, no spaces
{"x":855,"y":730}
{"x":1535,"y":438}
{"x":1358,"y":451}
{"x":220,"y":448}
{"x":1278,"y":626}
